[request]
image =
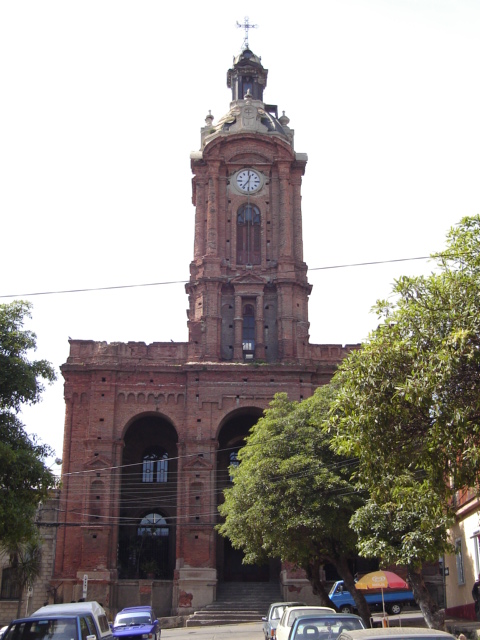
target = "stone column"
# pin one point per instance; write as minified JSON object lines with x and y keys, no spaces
{"x":199,"y":246}
{"x":297,"y":218}
{"x":259,"y":328}
{"x":212,"y":210}
{"x":285,"y":213}
{"x":238,"y":327}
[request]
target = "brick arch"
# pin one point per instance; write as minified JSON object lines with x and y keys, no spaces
{"x":148,"y":485}
{"x":251,"y":410}
{"x":264,"y":148}
{"x":138,"y":417}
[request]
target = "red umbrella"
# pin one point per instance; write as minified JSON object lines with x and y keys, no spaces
{"x":381,"y":580}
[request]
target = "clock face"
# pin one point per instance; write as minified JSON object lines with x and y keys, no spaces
{"x":248,"y":180}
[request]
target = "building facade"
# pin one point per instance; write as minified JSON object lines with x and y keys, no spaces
{"x":463,"y":567}
{"x":16,"y":601}
{"x":151,"y":430}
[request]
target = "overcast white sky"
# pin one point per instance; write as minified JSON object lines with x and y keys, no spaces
{"x":103,"y":101}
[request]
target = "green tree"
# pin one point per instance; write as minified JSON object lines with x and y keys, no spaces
{"x":291,"y":495}
{"x":409,"y":409}
{"x":26,"y":563}
{"x":24,"y":479}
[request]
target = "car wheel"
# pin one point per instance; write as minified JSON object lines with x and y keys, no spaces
{"x":346,"y":608}
{"x":395,"y":608}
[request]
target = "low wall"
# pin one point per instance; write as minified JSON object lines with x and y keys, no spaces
{"x":156,"y":594}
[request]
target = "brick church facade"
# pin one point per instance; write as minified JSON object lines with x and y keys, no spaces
{"x":150,"y":430}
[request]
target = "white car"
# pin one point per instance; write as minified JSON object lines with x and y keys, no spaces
{"x":271,"y":620}
{"x":396,"y":633}
{"x":292,"y":613}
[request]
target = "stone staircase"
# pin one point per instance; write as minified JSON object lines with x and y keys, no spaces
{"x":237,"y":602}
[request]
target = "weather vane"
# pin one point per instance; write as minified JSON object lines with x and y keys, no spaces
{"x":246,"y":25}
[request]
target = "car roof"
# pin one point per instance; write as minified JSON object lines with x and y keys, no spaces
{"x":71,"y":607}
{"x":327,"y":610}
{"x":307,"y":606}
{"x":56,"y":616}
{"x":139,"y":608}
{"x":396,"y":632}
{"x":329,"y":614}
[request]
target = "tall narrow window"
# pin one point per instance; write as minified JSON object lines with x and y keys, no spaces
{"x":248,"y":332}
{"x":10,"y":589}
{"x":459,"y":559}
{"x":155,"y":465}
{"x":248,"y":235}
{"x":476,"y":548}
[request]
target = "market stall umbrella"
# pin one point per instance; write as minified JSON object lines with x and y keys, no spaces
{"x":381,"y":580}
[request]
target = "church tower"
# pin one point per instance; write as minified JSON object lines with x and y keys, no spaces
{"x":248,"y":289}
{"x":151,"y":430}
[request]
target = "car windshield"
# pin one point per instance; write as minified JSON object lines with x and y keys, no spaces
{"x":125,"y":619}
{"x":277,"y":612}
{"x":43,"y":629}
{"x":325,"y":628}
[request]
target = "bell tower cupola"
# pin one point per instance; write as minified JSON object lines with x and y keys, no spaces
{"x":247,"y":77}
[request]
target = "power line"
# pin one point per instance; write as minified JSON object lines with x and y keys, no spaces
{"x":167,"y":282}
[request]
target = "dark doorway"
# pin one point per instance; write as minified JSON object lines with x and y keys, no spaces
{"x":235,"y":571}
{"x":229,"y":560}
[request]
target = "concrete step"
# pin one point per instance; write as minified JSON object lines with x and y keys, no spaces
{"x":237,"y":603}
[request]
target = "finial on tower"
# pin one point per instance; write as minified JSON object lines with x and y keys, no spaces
{"x":246,"y":25}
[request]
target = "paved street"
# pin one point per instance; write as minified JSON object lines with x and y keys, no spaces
{"x":253,"y":630}
{"x":250,"y":631}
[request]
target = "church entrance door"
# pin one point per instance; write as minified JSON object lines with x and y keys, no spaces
{"x":235,"y":571}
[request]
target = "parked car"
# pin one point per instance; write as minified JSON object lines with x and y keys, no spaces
{"x":275,"y":612}
{"x":292,"y":613}
{"x":396,"y":633}
{"x":328,"y":626}
{"x":136,"y":623}
{"x":72,"y":621}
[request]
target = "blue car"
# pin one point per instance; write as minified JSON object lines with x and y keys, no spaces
{"x":136,"y":623}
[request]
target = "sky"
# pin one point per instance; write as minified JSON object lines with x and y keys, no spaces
{"x":102,"y":104}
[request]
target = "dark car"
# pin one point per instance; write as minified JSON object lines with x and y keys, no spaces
{"x":324,"y":627}
{"x":136,"y":623}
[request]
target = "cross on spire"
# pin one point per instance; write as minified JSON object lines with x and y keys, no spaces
{"x":246,"y":25}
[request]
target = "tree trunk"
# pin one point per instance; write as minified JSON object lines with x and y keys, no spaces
{"x":312,"y":569}
{"x":344,"y":572}
{"x":20,"y":601}
{"x":434,"y":617}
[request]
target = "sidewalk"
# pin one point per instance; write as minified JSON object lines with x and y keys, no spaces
{"x":414,"y":618}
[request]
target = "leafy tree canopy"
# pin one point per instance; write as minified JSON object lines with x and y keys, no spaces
{"x":409,"y":407}
{"x":24,"y":479}
{"x":291,"y":496}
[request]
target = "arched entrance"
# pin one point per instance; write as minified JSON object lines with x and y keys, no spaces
{"x":231,"y":438}
{"x":148,"y":510}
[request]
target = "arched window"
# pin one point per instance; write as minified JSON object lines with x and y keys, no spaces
{"x":155,"y":465}
{"x":151,"y":549}
{"x":151,"y":525}
{"x":248,"y":235}
{"x":248,"y":332}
